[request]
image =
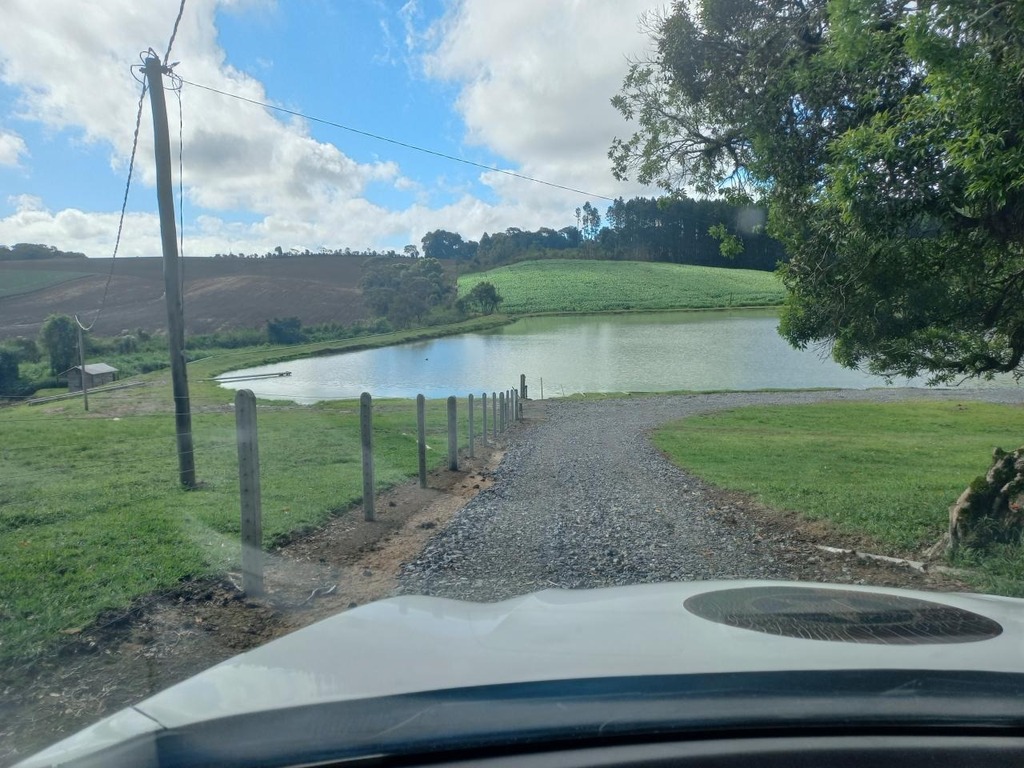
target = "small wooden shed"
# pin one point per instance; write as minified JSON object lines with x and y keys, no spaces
{"x":96,"y":375}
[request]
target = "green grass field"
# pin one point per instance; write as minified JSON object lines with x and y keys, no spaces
{"x":92,"y":518}
{"x":565,"y":285}
{"x":15,"y":281}
{"x":888,"y":470}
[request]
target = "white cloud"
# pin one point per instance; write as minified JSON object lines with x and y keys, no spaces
{"x":12,"y":148}
{"x":72,"y":229}
{"x":71,"y":69}
{"x":536,"y":81}
{"x":534,"y":77}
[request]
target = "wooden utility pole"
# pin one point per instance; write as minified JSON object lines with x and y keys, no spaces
{"x":172,"y":280}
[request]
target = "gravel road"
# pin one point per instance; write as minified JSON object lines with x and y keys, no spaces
{"x":583,"y":499}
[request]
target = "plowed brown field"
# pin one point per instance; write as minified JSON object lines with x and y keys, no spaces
{"x":219,"y":293}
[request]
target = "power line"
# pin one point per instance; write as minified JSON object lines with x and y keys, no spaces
{"x":181,"y":189}
{"x":124,"y":208}
{"x":174,"y":32}
{"x":398,"y":143}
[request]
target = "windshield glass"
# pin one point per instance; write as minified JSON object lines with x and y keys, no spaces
{"x":307,"y":306}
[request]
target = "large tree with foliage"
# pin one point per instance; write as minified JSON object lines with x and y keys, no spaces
{"x":405,"y":290}
{"x":887,"y":139}
{"x":9,"y":374}
{"x":485,"y":297}
{"x":59,"y":337}
{"x":441,"y":244}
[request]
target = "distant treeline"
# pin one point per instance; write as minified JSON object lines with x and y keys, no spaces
{"x":674,"y":230}
{"x":677,"y":230}
{"x":27,"y":251}
{"x":281,"y":253}
{"x":711,"y":233}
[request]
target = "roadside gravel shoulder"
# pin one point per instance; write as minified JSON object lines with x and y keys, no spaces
{"x":583,"y":499}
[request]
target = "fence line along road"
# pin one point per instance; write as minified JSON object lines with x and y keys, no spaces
{"x":249,"y":472}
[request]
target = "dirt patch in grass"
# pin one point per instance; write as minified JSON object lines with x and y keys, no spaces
{"x":800,"y":540}
{"x":162,"y":639}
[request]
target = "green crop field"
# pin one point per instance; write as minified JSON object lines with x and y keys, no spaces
{"x":565,"y":285}
{"x":15,"y":281}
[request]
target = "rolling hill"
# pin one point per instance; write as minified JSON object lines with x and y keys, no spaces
{"x":567,"y":285}
{"x":219,"y":293}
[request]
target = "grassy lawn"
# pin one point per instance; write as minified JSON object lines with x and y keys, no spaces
{"x":91,"y":516}
{"x":568,"y":285}
{"x":888,"y":470}
{"x":15,"y":281}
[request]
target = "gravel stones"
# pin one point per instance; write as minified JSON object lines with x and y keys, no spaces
{"x":583,"y":499}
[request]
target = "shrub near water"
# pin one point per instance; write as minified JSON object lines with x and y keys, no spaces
{"x":566,"y":285}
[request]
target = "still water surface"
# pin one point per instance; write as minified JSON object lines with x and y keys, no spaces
{"x":597,"y":353}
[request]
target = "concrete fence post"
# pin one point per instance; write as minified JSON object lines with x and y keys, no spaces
{"x":421,"y":438}
{"x":484,"y":433}
{"x":366,"y":437}
{"x":453,"y":435}
{"x":249,"y":489}
{"x":494,"y":414}
{"x":472,"y":440}
{"x":501,"y":409}
{"x":522,"y":386}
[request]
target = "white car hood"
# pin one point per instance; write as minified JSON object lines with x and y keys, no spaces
{"x":413,"y":644}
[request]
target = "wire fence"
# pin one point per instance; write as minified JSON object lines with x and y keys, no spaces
{"x":94,"y":527}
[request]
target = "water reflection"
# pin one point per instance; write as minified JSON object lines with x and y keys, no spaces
{"x":600,"y":353}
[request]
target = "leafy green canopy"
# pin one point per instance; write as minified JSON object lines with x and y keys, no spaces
{"x":59,"y":337}
{"x":887,"y":139}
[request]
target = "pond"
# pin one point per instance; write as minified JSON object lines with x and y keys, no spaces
{"x":647,"y":352}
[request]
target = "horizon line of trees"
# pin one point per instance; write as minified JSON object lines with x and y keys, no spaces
{"x":674,"y":229}
{"x":281,"y":253}
{"x":35,"y":251}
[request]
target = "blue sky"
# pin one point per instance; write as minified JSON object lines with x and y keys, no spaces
{"x":521,"y":86}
